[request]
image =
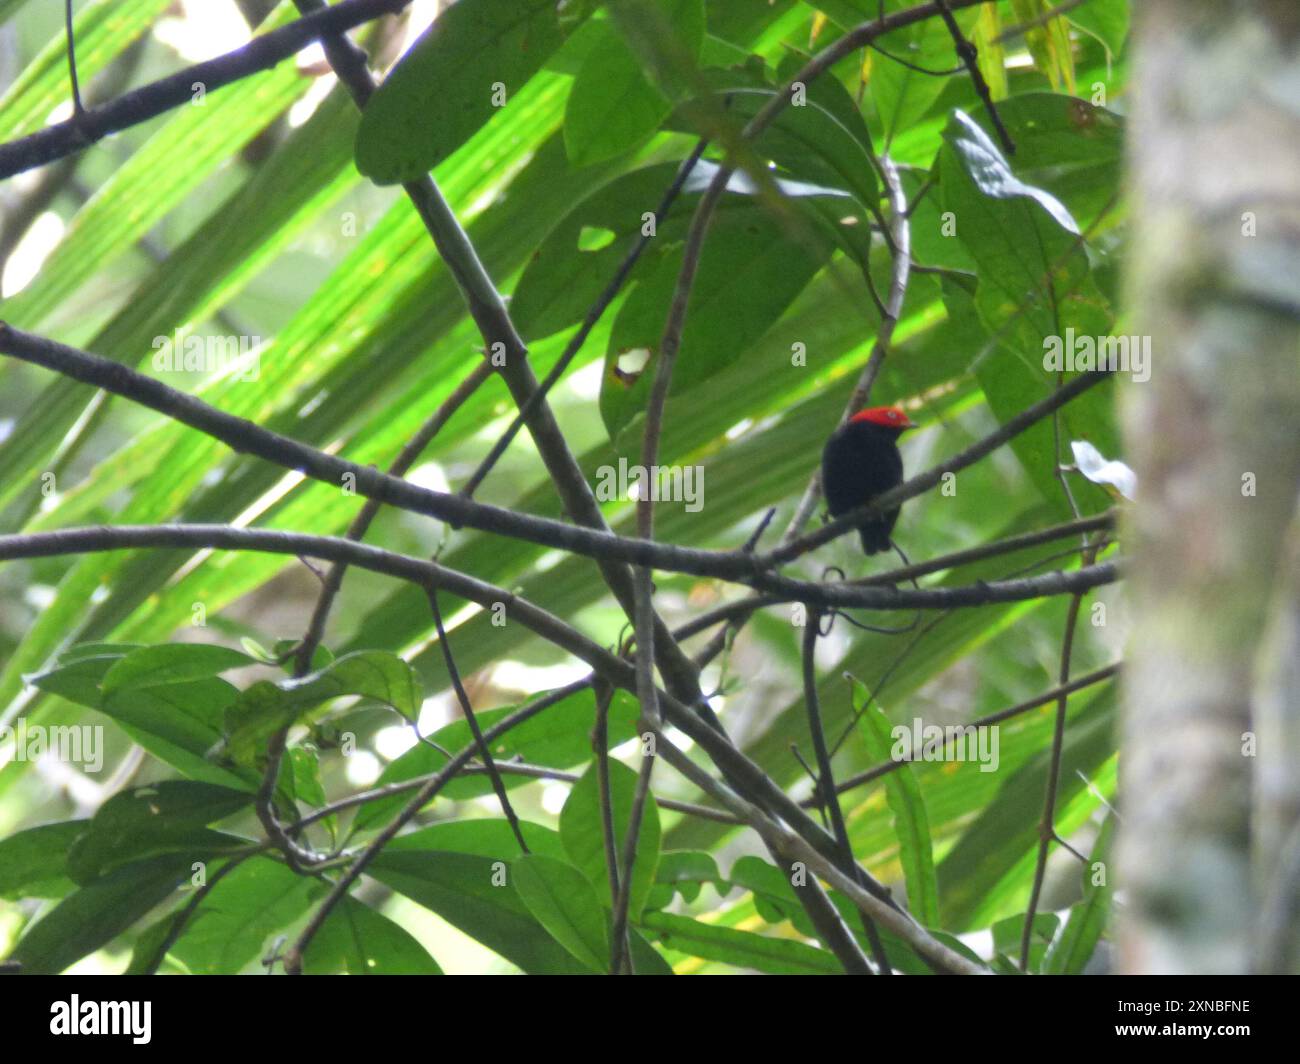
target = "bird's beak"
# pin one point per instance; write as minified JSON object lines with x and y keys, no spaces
{"x":907,"y":423}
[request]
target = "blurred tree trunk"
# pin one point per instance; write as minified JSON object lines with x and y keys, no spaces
{"x":1209,"y":850}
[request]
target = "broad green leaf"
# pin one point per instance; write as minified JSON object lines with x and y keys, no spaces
{"x":177,"y":723}
{"x":903,"y":95}
{"x":1066,"y":147}
{"x":750,"y":271}
{"x":811,"y":141}
{"x":77,"y":673}
{"x":93,"y":916}
{"x":665,"y":37}
{"x":168,"y":817}
{"x":775,"y":901}
{"x":241,"y":918}
{"x":565,"y":903}
{"x":463,"y":875}
{"x":1107,"y":20}
{"x":562,"y":278}
{"x":171,"y":663}
{"x":33,"y":863}
{"x":584,"y":839}
{"x":558,"y":738}
{"x":986,"y":171}
{"x":684,"y":872}
{"x":357,"y":940}
{"x":475,"y":57}
{"x":613,"y":105}
{"x":305,"y":765}
{"x":1034,"y":291}
{"x":269,"y":705}
{"x":460,"y":870}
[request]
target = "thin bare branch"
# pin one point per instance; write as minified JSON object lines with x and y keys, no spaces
{"x":246,"y":437}
{"x":65,"y":138}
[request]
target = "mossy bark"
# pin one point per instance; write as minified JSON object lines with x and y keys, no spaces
{"x":1211,"y":745}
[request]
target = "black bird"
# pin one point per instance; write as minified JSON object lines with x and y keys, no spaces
{"x":860,"y":462}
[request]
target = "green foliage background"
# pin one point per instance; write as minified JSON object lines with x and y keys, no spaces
{"x":231,"y":219}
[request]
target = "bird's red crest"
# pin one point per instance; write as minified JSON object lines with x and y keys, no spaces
{"x":891,"y":417}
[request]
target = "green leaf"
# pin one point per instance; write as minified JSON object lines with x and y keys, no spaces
{"x":267,"y":706}
{"x":744,"y":949}
{"x":357,"y":940}
{"x":990,"y":50}
{"x":171,"y":663}
{"x":77,"y":672}
{"x":903,"y":95}
{"x":685,"y":872}
{"x":665,"y":36}
{"x":1107,"y":20}
{"x":304,"y":764}
{"x":1073,"y":948}
{"x":240,"y":918}
{"x":1048,"y":40}
{"x":988,"y":872}
{"x":149,"y":182}
{"x":584,"y":839}
{"x":282,"y":654}
{"x":1006,"y":937}
{"x":165,"y":818}
{"x":565,"y":903}
{"x":198,"y":277}
{"x":613,"y":105}
{"x":776,"y":902}
{"x":461,"y":871}
{"x":177,"y":723}
{"x":103,"y":29}
{"x":1034,"y":288}
{"x":1066,"y":147}
{"x":991,"y":175}
{"x":750,"y":271}
{"x":906,"y":802}
{"x":443,"y":89}
{"x":557,"y":738}
{"x":811,"y":141}
{"x":94,"y":915}
{"x":180,"y":723}
{"x":33,"y":863}
{"x":562,"y":279}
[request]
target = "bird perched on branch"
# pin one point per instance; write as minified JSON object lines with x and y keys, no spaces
{"x":860,"y":462}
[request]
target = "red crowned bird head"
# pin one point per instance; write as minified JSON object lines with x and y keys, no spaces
{"x":888,"y":417}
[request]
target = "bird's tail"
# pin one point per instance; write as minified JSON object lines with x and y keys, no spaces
{"x":874,"y":539}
